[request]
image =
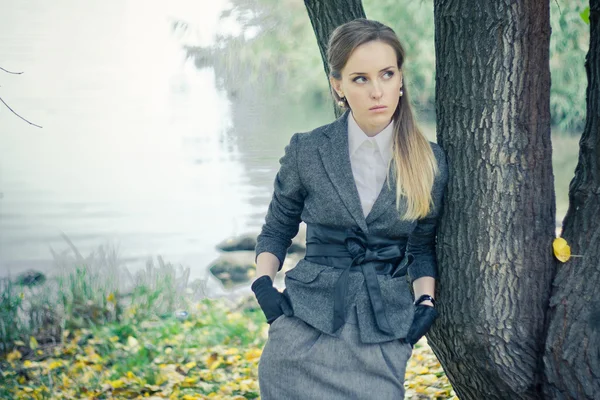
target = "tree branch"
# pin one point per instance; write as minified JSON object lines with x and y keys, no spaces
{"x":7,"y":106}
{"x":9,"y":72}
{"x":13,"y":111}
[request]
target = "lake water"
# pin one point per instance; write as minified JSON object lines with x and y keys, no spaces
{"x":138,"y":149}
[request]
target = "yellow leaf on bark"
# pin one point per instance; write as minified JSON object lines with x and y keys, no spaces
{"x":562,"y":250}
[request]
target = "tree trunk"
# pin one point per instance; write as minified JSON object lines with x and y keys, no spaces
{"x":495,"y":238}
{"x":572,"y":356}
{"x":325,"y":16}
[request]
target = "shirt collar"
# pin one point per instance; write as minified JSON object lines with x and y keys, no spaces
{"x":383,"y":139}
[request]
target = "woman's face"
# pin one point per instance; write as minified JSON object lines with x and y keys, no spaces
{"x":371,"y":83}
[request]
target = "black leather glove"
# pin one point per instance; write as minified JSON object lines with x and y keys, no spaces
{"x":272,"y":302}
{"x":422,"y":321}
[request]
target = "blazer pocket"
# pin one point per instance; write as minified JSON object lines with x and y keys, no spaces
{"x":305,"y":271}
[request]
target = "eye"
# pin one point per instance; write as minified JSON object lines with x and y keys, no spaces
{"x":357,"y":79}
{"x":389,"y":74}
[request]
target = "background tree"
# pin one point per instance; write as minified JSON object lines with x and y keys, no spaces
{"x":572,"y":353}
{"x":325,"y":16}
{"x":495,"y":239}
{"x":276,"y":36}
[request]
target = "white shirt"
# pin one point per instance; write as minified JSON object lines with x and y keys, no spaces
{"x":369,"y":158}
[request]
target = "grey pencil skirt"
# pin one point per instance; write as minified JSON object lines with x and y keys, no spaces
{"x":301,"y":362}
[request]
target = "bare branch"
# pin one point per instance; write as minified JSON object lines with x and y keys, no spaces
{"x":13,"y":111}
{"x":10,"y":72}
{"x":7,"y":106}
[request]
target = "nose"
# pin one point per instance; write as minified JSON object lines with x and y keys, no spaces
{"x":376,"y":91}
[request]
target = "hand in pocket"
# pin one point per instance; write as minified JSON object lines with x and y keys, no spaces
{"x":269,"y":298}
{"x":423,"y":319}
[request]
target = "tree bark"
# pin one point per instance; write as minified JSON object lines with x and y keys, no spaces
{"x":572,"y":353}
{"x":325,"y":16}
{"x":495,"y":237}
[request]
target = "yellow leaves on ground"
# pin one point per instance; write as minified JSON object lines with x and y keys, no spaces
{"x":111,"y":298}
{"x":132,"y":343}
{"x":214,"y":354}
{"x":213,"y":361}
{"x":33,"y":344}
{"x":54,"y":365}
{"x":190,"y":365}
{"x":253,"y":355}
{"x":425,"y":378}
{"x":13,"y":356}
{"x":116,"y":384}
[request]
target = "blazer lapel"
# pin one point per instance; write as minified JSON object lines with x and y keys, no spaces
{"x":336,"y":159}
{"x":386,"y":198}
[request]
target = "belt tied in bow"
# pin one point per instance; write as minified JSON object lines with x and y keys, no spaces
{"x":373,"y":255}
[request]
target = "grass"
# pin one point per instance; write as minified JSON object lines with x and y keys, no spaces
{"x":213,"y":353}
{"x":213,"y":350}
{"x":85,"y":335}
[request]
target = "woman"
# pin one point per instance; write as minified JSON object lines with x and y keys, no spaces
{"x":369,"y":187}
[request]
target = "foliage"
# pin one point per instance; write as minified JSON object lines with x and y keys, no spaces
{"x":276,"y":53}
{"x":413,"y":23}
{"x":10,"y":303}
{"x":585,"y":15}
{"x":91,"y":291}
{"x":213,"y":351}
{"x":568,"y":47}
{"x":275,"y":48}
{"x":161,"y":339}
{"x":211,"y":354}
{"x":161,"y":290}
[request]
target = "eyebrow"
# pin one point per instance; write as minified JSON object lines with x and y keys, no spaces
{"x":364,"y":73}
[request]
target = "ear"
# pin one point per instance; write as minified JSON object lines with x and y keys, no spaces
{"x":337,"y":86}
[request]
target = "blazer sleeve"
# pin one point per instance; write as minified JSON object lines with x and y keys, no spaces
{"x":283,"y":216}
{"x":421,"y":242}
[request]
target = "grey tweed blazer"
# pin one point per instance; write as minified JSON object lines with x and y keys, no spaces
{"x":315,"y":184}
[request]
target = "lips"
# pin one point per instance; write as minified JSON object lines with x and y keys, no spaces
{"x":377,"y":107}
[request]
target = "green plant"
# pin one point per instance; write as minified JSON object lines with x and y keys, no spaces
{"x":87,"y":287}
{"x":11,"y":328}
{"x":84,"y":299}
{"x":90,"y":292}
{"x":159,"y":290}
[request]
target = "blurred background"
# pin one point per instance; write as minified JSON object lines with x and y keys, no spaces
{"x":163,"y":122}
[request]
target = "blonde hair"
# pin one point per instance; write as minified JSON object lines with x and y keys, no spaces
{"x":415,"y":165}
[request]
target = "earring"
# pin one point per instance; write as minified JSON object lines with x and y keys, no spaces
{"x":401,"y":92}
{"x":341,"y":103}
